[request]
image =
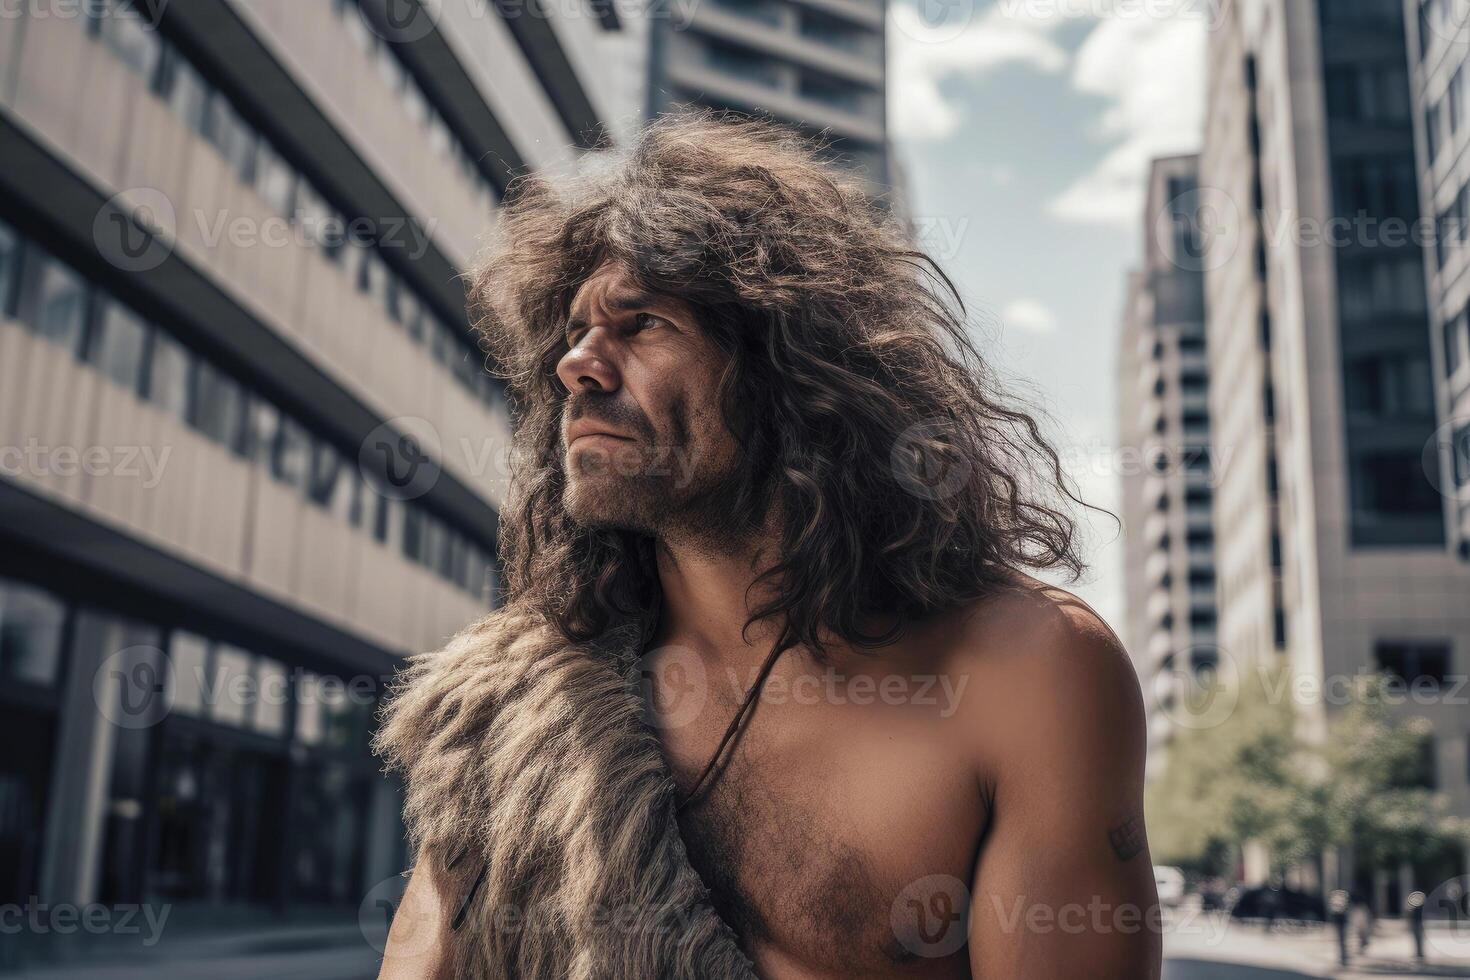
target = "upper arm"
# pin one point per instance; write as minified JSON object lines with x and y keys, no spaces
{"x":418,"y":940}
{"x":1063,"y":886}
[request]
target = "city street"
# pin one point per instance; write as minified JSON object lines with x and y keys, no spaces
{"x":1199,"y":947}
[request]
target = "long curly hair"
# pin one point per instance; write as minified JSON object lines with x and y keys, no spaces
{"x":905,"y":481}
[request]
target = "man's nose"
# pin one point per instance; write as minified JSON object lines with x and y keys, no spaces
{"x":589,"y":366}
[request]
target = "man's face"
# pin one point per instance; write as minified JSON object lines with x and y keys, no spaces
{"x":646,"y":447}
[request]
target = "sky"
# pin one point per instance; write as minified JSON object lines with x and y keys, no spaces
{"x":1026,"y":128}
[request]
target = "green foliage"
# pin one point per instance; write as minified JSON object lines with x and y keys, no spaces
{"x":1254,"y":776}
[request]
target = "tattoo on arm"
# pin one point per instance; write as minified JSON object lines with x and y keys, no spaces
{"x":1127,"y":837}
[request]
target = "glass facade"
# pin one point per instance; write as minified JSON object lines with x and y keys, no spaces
{"x":253,"y":786}
{"x":1383,"y":312}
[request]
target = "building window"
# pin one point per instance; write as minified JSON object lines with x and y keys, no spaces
{"x":230,"y":134}
{"x":730,"y":59}
{"x":170,"y":374}
{"x":120,"y":345}
{"x":291,"y":462}
{"x":9,"y":268}
{"x":830,"y":91}
{"x":185,"y":90}
{"x":264,"y":426}
{"x":1460,"y":447}
{"x":219,"y":407}
{"x":132,"y":39}
{"x":1387,"y":386}
{"x":1454,"y":97}
{"x":1414,"y":662}
{"x":1393,"y":482}
{"x":326,"y":471}
{"x":53,"y":300}
{"x":760,"y":10}
{"x":1383,"y":287}
{"x":1456,"y":343}
{"x":30,"y":634}
{"x":1367,"y":92}
{"x":275,"y":180}
{"x":413,"y":533}
{"x":834,"y":31}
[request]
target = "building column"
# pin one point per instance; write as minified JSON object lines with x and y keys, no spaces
{"x":71,"y":855}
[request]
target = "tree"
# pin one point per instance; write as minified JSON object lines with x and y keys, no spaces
{"x":1252,"y":775}
{"x":1381,"y":800}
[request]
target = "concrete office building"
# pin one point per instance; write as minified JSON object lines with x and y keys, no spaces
{"x":1439,"y":52}
{"x":1334,"y":549}
{"x":816,"y":64}
{"x":1164,"y":424}
{"x":231,"y":239}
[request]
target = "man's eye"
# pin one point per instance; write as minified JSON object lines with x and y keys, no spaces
{"x":645,"y":320}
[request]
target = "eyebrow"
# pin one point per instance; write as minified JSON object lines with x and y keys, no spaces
{"x":627,"y":301}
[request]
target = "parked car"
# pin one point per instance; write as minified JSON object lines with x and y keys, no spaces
{"x":1170,"y":883}
{"x":1278,"y":904}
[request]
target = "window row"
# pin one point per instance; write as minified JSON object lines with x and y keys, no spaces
{"x":400,"y":79}
{"x":1382,"y":286}
{"x":230,"y":686}
{"x":282,"y":187}
{"x":1390,"y":385}
{"x":1371,"y":92}
{"x":59,"y":304}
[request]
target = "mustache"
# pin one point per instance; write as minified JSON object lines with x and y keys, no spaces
{"x":610,"y":409}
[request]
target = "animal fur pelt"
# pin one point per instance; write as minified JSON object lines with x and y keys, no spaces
{"x":534,"y":754}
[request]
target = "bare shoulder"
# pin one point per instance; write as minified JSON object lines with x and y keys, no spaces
{"x":1048,"y":675}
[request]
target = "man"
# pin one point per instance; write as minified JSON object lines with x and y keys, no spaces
{"x":771,"y":694}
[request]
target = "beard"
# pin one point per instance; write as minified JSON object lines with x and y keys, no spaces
{"x":680,"y":484}
{"x":659,"y":491}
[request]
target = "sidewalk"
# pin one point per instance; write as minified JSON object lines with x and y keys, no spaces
{"x":1197,"y":936}
{"x":286,"y":952}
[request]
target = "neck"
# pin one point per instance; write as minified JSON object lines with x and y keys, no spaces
{"x":706,"y":592}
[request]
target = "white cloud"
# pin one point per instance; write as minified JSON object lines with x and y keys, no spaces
{"x":1029,"y":315}
{"x":922,"y":54}
{"x":1151,"y":72}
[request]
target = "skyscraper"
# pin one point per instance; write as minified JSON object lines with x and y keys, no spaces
{"x":1333,"y":547}
{"x":815,"y":64}
{"x":1167,"y":474}
{"x":249,"y":453}
{"x":1440,"y":48}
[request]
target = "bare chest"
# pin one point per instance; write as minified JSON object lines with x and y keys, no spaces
{"x":826,"y":838}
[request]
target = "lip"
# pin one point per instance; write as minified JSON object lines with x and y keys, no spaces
{"x":597,"y":435}
{"x":589,"y":428}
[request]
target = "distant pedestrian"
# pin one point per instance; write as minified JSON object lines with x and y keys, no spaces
{"x":1361,"y":918}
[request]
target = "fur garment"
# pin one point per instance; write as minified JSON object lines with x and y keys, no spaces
{"x":530,"y":759}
